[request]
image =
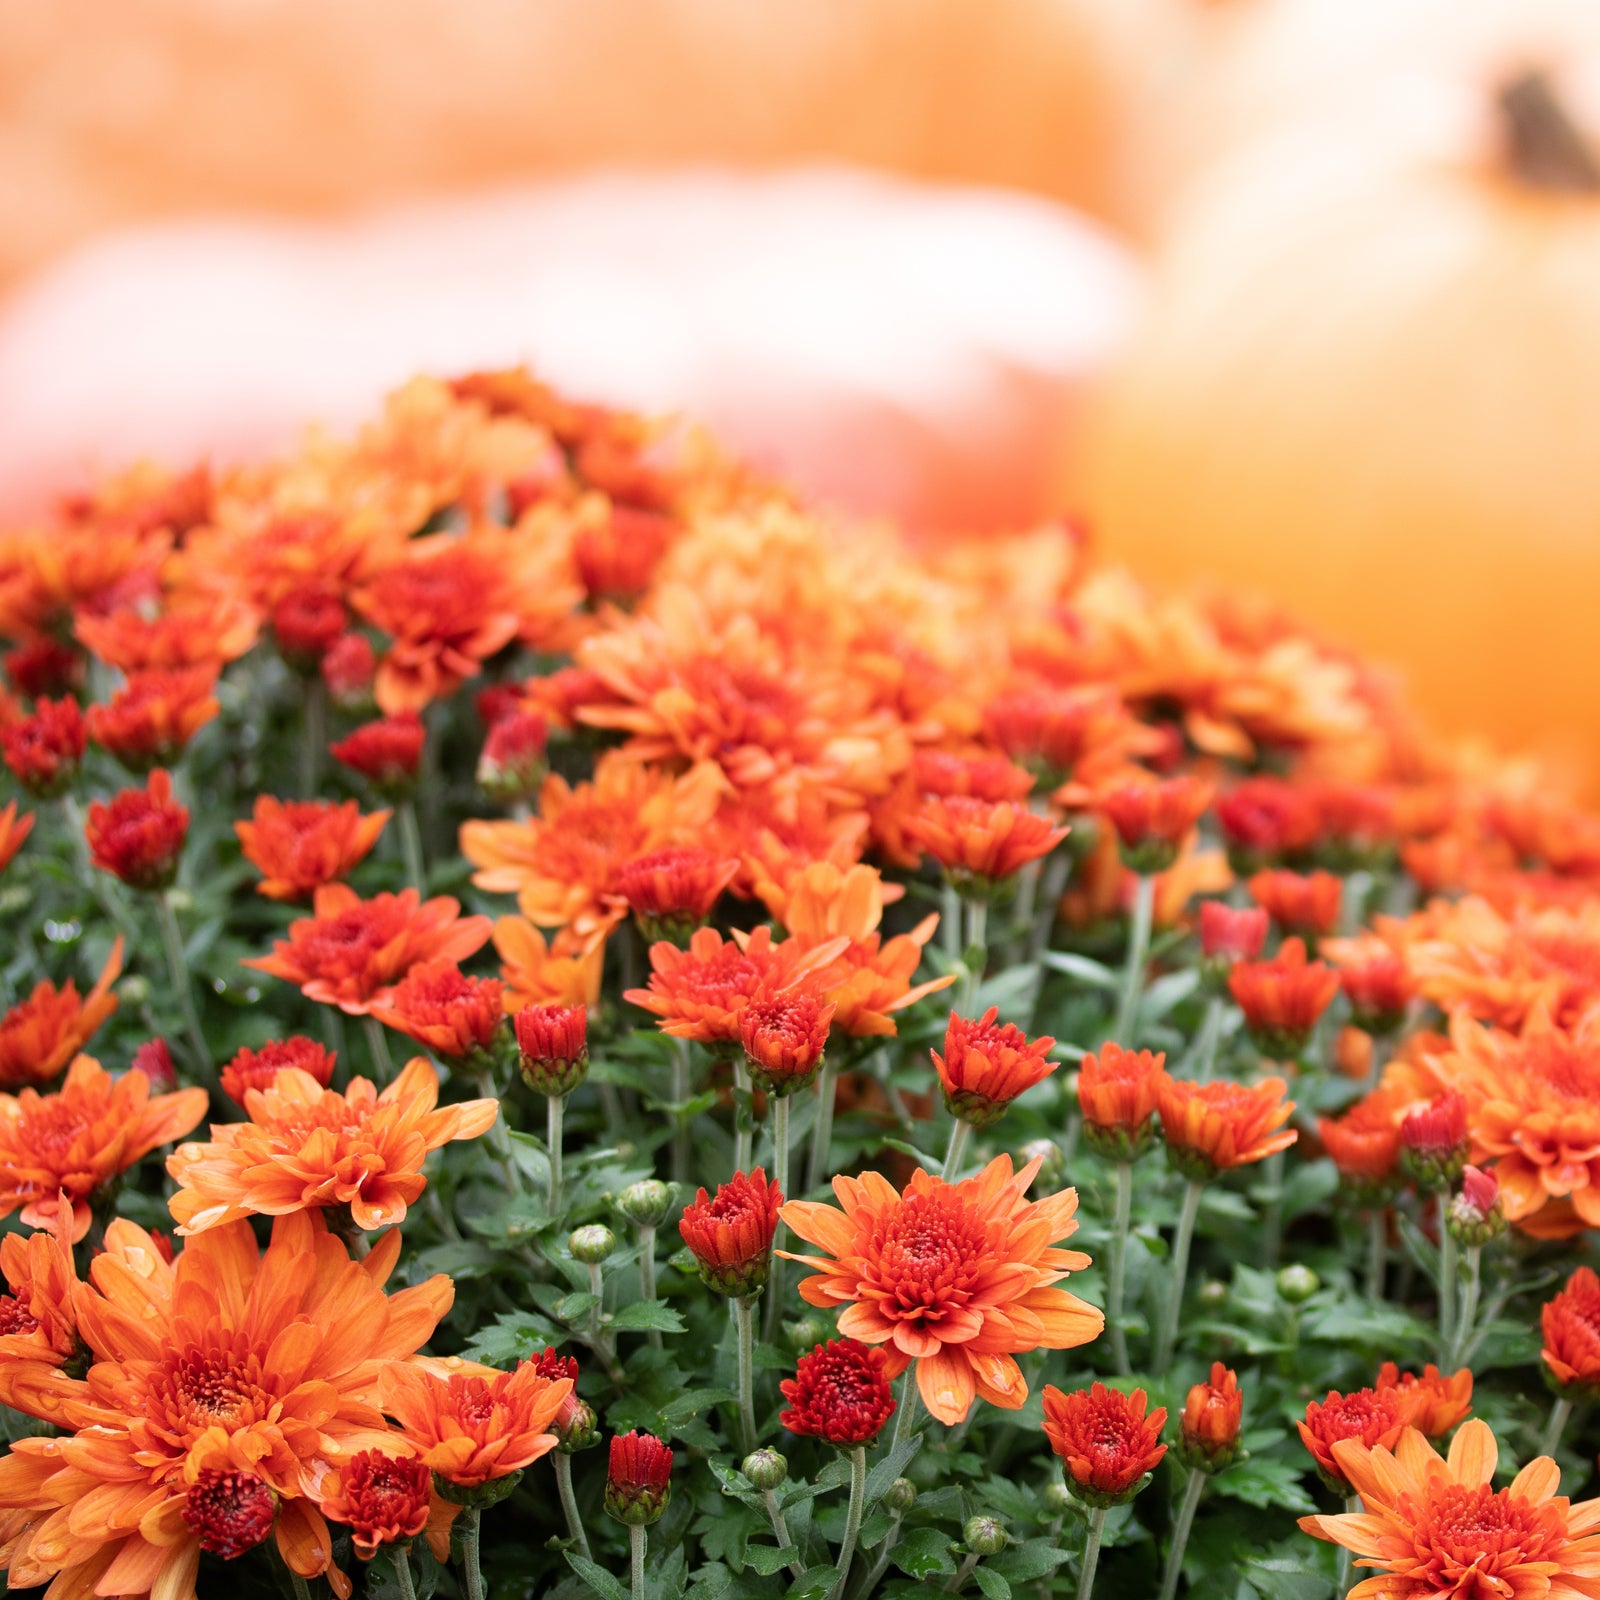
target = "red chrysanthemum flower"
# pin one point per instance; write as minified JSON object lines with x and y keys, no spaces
{"x":1433,"y":1141}
{"x":1570,"y":1322}
{"x":550,"y":1363}
{"x":986,"y":1065}
{"x":139,"y":835}
{"x":784,"y":1038}
{"x":1153,"y":817}
{"x":840,"y":1393}
{"x":1210,"y":1127}
{"x":1283,"y":998}
{"x":1050,"y":729}
{"x":386,"y":753}
{"x":984,"y":776}
{"x":512,"y":764}
{"x":1299,"y":903}
{"x":980,"y":843}
{"x":1229,"y":935}
{"x":154,"y":1059}
{"x":439,"y":1006}
{"x":348,"y":669}
{"x":638,"y":1478}
{"x":617,"y":553}
{"x":1266,"y":819}
{"x":151,"y":719}
{"x":672,"y":891}
{"x":383,"y":1499}
{"x":230,"y":1512}
{"x":351,"y":952}
{"x":257,"y":1069}
{"x":1118,"y":1092}
{"x":552,"y":1047}
{"x":1440,"y":1402}
{"x":1377,"y":983}
{"x":1371,"y":1416}
{"x":45,"y":666}
{"x":1212,"y":1413}
{"x":1105,"y":1440}
{"x":306,"y":622}
{"x":45,"y":750}
{"x":299,"y":845}
{"x":731,"y":1235}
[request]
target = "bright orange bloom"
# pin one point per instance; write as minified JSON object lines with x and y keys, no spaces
{"x":351,"y":952}
{"x":41,"y":1034}
{"x":382,"y":1498}
{"x":1434,"y":1529}
{"x":1212,"y":1412}
{"x":1106,"y":1442}
{"x":1570,"y":1322}
{"x":14,"y":831}
{"x":439,"y":1006}
{"x":566,"y":972}
{"x":306,"y":1147}
{"x":38,"y":1321}
{"x":957,"y":1277}
{"x":731,"y":1235}
{"x":978,"y":842}
{"x":139,"y":836}
{"x":75,"y":1142}
{"x":231,"y":1371}
{"x":1282,"y":998}
{"x":151,"y":719}
{"x":1118,"y":1091}
{"x":672,"y":891}
{"x":986,"y":1065}
{"x":257,"y":1069}
{"x":1441,"y":1402}
{"x":1365,"y":1141}
{"x":299,"y":845}
{"x":784,"y":1038}
{"x":475,"y":1424}
{"x":209,"y":634}
{"x":1210,"y":1127}
{"x":1154,"y":816}
{"x":1299,"y":903}
{"x":1052,"y":730}
{"x":700,"y":993}
{"x":1368,"y":1416}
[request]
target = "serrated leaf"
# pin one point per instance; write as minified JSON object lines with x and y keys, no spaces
{"x":643,"y":1315}
{"x":892,"y":1466}
{"x":1265,"y":1481}
{"x":597,"y":1578}
{"x":992,"y":1584}
{"x":1288,"y":1580}
{"x":767,"y":1559}
{"x":813,"y":1583}
{"x":924,"y":1553}
{"x":574,"y":1307}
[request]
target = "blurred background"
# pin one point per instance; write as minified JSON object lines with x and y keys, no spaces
{"x":1301,"y":296}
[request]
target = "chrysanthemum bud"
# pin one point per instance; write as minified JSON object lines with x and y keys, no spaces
{"x":1052,"y":1173}
{"x":899,"y":1497}
{"x":1476,"y":1214}
{"x":154,"y":1060}
{"x":645,"y":1203}
{"x":512,"y":765}
{"x":552,"y":1048}
{"x":766,"y":1469}
{"x":638,"y":1480}
{"x":1433,"y":1142}
{"x":784,"y":1038}
{"x":348,"y":669}
{"x":731,"y":1235}
{"x":985,"y":1536}
{"x":1214,"y":1292}
{"x":1153,"y":817}
{"x":579,"y":1431}
{"x":672,"y":892}
{"x":1212,"y":1412}
{"x":986,"y":1064}
{"x":592,"y":1243}
{"x":805,"y":1333}
{"x":1297,"y":1283}
{"x":139,"y":835}
{"x":1117,"y":1093}
{"x":387,"y":752}
{"x":1106,"y":1442}
{"x":1058,"y":1499}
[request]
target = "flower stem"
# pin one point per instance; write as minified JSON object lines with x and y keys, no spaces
{"x":402,"y":1571}
{"x":1377,"y":1251}
{"x":1052,"y":881}
{"x":950,"y":923}
{"x":555,"y":1108}
{"x":1180,"y":1532}
{"x":638,"y":1537}
{"x":1117,"y":1266}
{"x":1556,"y":1426}
{"x":1272,"y":1223}
{"x":1205,"y":1047}
{"x":378,"y":1047}
{"x":1471,"y":1288}
{"x":178,"y":973}
{"x":869,"y":1580}
{"x":569,"y":1502}
{"x":411,"y":844}
{"x":1144,"y":900}
{"x":647,"y":1273}
{"x":1175,"y":1280}
{"x":1341,"y":1582}
{"x":471,"y":1571}
{"x":976,"y":954}
{"x":744,"y":1321}
{"x":905,"y":1415}
{"x":822,"y":1132}
{"x":956,"y":1149}
{"x":313,"y":741}
{"x":780,"y":1176}
{"x":680,"y":1093}
{"x":744,"y":1117}
{"x":1447,"y":1274}
{"x":852,"y":1526}
{"x":953,"y":1583}
{"x":302,"y":1589}
{"x":780,"y":1530}
{"x":1091,"y":1552}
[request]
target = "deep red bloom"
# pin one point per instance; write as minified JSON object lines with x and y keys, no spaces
{"x":256,"y":1069}
{"x":496,"y":701}
{"x":638,"y":1477}
{"x":439,"y":1006}
{"x":139,"y":835}
{"x":1153,"y":817}
{"x":1374,"y":1416}
{"x":232,"y":1512}
{"x":617,"y":555}
{"x":1106,"y":1442}
{"x":348,"y":669}
{"x":1433,"y":1141}
{"x":784,"y":1037}
{"x":154,"y":1060}
{"x":1282,"y":998}
{"x":307,"y":622}
{"x":672,"y":891}
{"x":1265,"y":819}
{"x":1299,"y":903}
{"x":731,"y":1236}
{"x":382,"y":1499}
{"x":1230,"y":935}
{"x":1379,"y":988}
{"x":1480,"y":1189}
{"x":553,"y":1047}
{"x":151,"y":719}
{"x":45,"y":666}
{"x":840,"y":1393}
{"x":1212,"y":1412}
{"x":550,"y":1363}
{"x":986,"y":1065}
{"x":44,"y":751}
{"x":386,"y":753}
{"x":1570,"y":1322}
{"x":512,"y":765}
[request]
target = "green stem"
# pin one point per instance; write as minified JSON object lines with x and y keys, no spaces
{"x":780,"y":1530}
{"x":744,"y":1117}
{"x":1205,"y":1049}
{"x":178,"y":973}
{"x":411,"y":844}
{"x":1180,"y":1532}
{"x":680,"y":1126}
{"x":302,"y":1589}
{"x":1471,"y":1288}
{"x":555,"y":1107}
{"x":868,"y":1581}
{"x":569,"y":1502}
{"x":953,"y":1583}
{"x":744,"y":1322}
{"x":471,"y":1571}
{"x":905,"y":1415}
{"x":1091,"y":1552}
{"x":950,"y":923}
{"x":976,"y":956}
{"x":780,"y":1176}
{"x":1052,"y":881}
{"x":1341,"y":1582}
{"x":1178,"y":1273}
{"x":647,"y":1273}
{"x":1556,"y":1426}
{"x":314,"y":736}
{"x":822,"y":1131}
{"x":1144,"y":900}
{"x":1117,"y":1266}
{"x":1447,"y":1274}
{"x":402,"y":1570}
{"x":637,"y":1539}
{"x":1272,"y":1223}
{"x":1377,"y":1251}
{"x":378,"y":1048}
{"x":956,"y":1149}
{"x":852,"y":1526}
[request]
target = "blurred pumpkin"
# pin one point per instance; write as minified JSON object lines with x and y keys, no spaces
{"x":115,"y":113}
{"x":1368,"y":385}
{"x":892,"y":346}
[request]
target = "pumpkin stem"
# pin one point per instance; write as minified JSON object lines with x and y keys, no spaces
{"x":1543,"y":145}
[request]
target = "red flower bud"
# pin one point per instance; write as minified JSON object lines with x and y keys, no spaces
{"x":784,"y":1037}
{"x":1106,"y":1442}
{"x":256,"y":1069}
{"x":985,"y":1066}
{"x":731,"y":1236}
{"x":553,"y":1047}
{"x":386,"y":753}
{"x":45,"y":750}
{"x":1229,"y":935}
{"x":1211,"y":1417}
{"x":139,"y":835}
{"x":840,"y":1393}
{"x":638,"y":1478}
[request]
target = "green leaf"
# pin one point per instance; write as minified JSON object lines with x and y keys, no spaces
{"x":991,"y":1583}
{"x":513,"y":1336}
{"x":1265,"y":1481}
{"x":891,"y":1467}
{"x":1032,"y":1559}
{"x":924,"y":1553}
{"x":1309,"y":1186}
{"x":1166,"y":992}
{"x":1288,"y":1580}
{"x":574,"y":1307}
{"x":597,"y":1578}
{"x":813,"y":1583}
{"x":693,"y":1403}
{"x":1082,"y":968}
{"x":767,"y":1559}
{"x":645,"y":1314}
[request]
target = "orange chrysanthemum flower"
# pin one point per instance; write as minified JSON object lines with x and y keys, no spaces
{"x":1368,"y":1416}
{"x":672,"y":891}
{"x":382,"y":1498}
{"x":1118,"y":1092}
{"x":1212,"y":1413}
{"x":299,"y":845}
{"x":1104,"y":1439}
{"x":537,"y":972}
{"x":38,"y":1320}
{"x":14,"y":831}
{"x":986,"y":1065}
{"x":731,"y":1235}
{"x":65,"y":1147}
{"x":1283,"y":998}
{"x":436,"y":1004}
{"x":1570,"y":1322}
{"x":1307,"y":904}
{"x":40,"y":1035}
{"x":195,"y":1415}
{"x":1052,"y":729}
{"x":1153,"y":817}
{"x":1365,"y":1142}
{"x":1433,"y":1528}
{"x":1441,"y":1402}
{"x":258,"y":1069}
{"x":351,"y":952}
{"x":471,"y":1424}
{"x":307,"y":1148}
{"x":151,"y":719}
{"x":784,"y":1038}
{"x":979,"y":843}
{"x":1209,"y":1127}
{"x":208,"y":634}
{"x":957,"y":1277}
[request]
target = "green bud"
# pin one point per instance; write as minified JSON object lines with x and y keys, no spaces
{"x":476,"y":1496}
{"x":580,"y":1431}
{"x":592,"y":1244}
{"x":180,"y":900}
{"x":1052,"y":1164}
{"x":766,"y":1469}
{"x":645,"y":1203}
{"x":1297,"y":1284}
{"x":1057,"y":1499}
{"x":135,"y":989}
{"x":900,"y":1496}
{"x":806,"y":1334}
{"x":984,"y":1536}
{"x":1213,"y":1292}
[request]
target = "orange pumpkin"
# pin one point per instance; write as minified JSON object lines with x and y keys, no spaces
{"x":1368,"y":384}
